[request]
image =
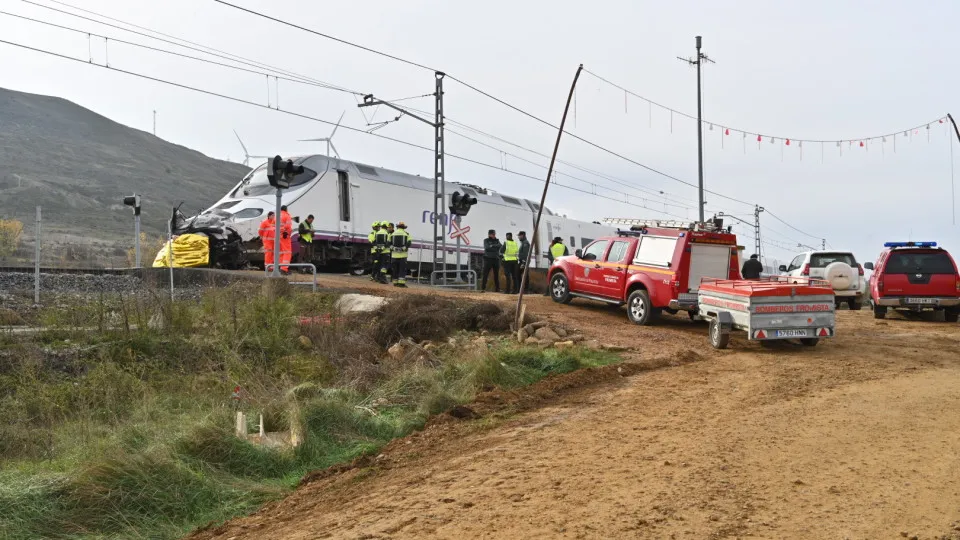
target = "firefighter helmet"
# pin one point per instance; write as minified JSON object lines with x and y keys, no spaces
{"x":401,"y":225}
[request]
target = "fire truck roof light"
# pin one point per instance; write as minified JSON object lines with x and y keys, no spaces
{"x":910,"y":244}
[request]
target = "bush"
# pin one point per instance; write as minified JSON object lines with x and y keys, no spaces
{"x":10,"y":233}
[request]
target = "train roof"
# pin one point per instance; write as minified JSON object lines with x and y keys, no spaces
{"x":380,"y":174}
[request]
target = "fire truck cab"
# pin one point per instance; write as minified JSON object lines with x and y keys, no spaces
{"x":654,"y":266}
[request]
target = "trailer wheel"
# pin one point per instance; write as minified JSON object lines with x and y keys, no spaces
{"x":560,"y":289}
{"x":809,"y":342}
{"x":718,"y":339}
{"x":639,"y":309}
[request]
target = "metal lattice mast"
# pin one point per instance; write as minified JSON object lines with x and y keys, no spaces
{"x":756,"y":229}
{"x":439,"y":189}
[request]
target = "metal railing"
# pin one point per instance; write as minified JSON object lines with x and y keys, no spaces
{"x":267,"y":268}
{"x":456,"y":282}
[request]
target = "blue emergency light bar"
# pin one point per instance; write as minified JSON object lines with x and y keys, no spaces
{"x":910,"y":244}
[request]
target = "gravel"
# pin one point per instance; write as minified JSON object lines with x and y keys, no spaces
{"x":13,"y":282}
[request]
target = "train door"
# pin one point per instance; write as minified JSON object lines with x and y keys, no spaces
{"x":346,"y":205}
{"x":548,"y":241}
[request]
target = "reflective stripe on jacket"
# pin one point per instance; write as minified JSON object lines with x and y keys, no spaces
{"x":399,"y":244}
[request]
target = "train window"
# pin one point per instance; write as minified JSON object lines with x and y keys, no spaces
{"x":224,"y":206}
{"x":248,"y":213}
{"x":510,"y":200}
{"x":547,"y":210}
{"x":585,"y":241}
{"x":259,"y":185}
{"x":344,"y":182}
{"x":573,"y":242}
{"x":469,"y":191}
{"x":366,"y":169}
{"x":534,"y":206}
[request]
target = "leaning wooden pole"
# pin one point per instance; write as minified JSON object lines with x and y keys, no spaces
{"x":953,"y":196}
{"x":543,"y":197}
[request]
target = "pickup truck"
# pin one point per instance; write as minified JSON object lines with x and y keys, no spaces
{"x":653,"y":267}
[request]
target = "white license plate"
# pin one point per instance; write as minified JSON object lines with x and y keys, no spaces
{"x":922,"y":300}
{"x":791,"y":333}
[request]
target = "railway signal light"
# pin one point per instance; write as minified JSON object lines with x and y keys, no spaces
{"x":460,"y":203}
{"x":280,"y":173}
{"x":134,"y":201}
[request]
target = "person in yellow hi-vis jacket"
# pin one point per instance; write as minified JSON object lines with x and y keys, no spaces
{"x":399,"y":246}
{"x":510,"y":253}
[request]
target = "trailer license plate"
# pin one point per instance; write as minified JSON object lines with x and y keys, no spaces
{"x":791,"y":333}
{"x":921,"y":300}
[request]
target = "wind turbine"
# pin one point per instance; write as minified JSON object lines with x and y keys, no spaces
{"x":329,"y":140}
{"x":246,"y":155}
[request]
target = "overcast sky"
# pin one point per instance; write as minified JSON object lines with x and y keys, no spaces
{"x":817,"y":70}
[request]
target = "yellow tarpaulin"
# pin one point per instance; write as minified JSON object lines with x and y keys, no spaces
{"x":189,"y":250}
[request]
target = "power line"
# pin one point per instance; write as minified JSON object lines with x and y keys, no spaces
{"x":774,"y":216}
{"x":478,"y":90}
{"x":198,"y":47}
{"x":328,"y":36}
{"x":757,"y":133}
{"x":307,"y":117}
{"x":186,"y":56}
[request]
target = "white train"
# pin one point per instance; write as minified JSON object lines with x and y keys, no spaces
{"x":345,"y":198}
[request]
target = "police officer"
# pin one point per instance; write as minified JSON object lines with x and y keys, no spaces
{"x":399,"y":244}
{"x":557,"y":250}
{"x":491,"y":260}
{"x":752,"y":268}
{"x":510,"y":254}
{"x":374,"y":251}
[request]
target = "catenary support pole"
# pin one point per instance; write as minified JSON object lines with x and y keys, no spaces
{"x":36,"y":263}
{"x":543,"y":196}
{"x":699,"y":129}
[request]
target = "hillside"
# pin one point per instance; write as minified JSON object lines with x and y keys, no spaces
{"x":77,"y":165}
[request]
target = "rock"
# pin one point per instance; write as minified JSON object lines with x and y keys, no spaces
{"x":452,"y":341}
{"x":522,"y":335}
{"x":560,"y":332}
{"x":546,"y":333}
{"x":305,"y":342}
{"x":563,"y":344}
{"x":463,"y":413}
{"x":157,"y":322}
{"x":531,"y":341}
{"x":576,"y":338}
{"x":359,"y":303}
{"x":544,"y":344}
{"x":593,"y":345}
{"x":538,"y":325}
{"x":399,"y":351}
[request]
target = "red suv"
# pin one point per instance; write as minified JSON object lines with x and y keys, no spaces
{"x":655,"y":266}
{"x":915,"y":276}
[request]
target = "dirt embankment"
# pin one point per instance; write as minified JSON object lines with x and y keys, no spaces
{"x":858,"y":437}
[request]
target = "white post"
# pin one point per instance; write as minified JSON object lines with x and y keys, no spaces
{"x":36,"y":263}
{"x":276,"y":236}
{"x":170,"y":256}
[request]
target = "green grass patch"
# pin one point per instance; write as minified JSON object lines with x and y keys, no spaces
{"x":127,"y":431}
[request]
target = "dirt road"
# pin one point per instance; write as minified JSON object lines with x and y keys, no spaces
{"x":856,"y":438}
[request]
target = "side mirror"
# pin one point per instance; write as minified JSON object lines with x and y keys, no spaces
{"x":783,"y":268}
{"x":578,"y":253}
{"x":589,"y":257}
{"x":868,"y":266}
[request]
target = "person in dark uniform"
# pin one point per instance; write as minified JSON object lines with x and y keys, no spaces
{"x":491,"y":260}
{"x":752,"y":268}
{"x":523,"y":259}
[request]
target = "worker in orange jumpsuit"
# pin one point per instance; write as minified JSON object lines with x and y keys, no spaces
{"x":286,"y":239}
{"x":268,"y":229}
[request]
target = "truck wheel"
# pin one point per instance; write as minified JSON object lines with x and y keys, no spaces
{"x":639,"y":309}
{"x":854,"y":304}
{"x":809,"y":342}
{"x":837,"y":304}
{"x":879,"y":312}
{"x":718,"y":339}
{"x":560,"y":289}
{"x":951,"y":315}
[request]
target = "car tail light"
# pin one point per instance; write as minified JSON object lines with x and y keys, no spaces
{"x":806,"y":270}
{"x":958,"y":284}
{"x":860,"y":269}
{"x":880,"y":285}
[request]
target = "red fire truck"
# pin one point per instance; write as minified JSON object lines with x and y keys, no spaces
{"x":654,"y":266}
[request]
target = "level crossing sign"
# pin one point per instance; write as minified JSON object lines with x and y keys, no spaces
{"x":459,"y":232}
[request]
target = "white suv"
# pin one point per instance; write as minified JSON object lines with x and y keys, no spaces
{"x":839,"y":268}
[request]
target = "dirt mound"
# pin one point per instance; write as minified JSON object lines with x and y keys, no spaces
{"x":422,"y":317}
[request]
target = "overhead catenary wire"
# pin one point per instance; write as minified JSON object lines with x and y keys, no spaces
{"x":328,"y":122}
{"x":241,"y":59}
{"x":481,"y":92}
